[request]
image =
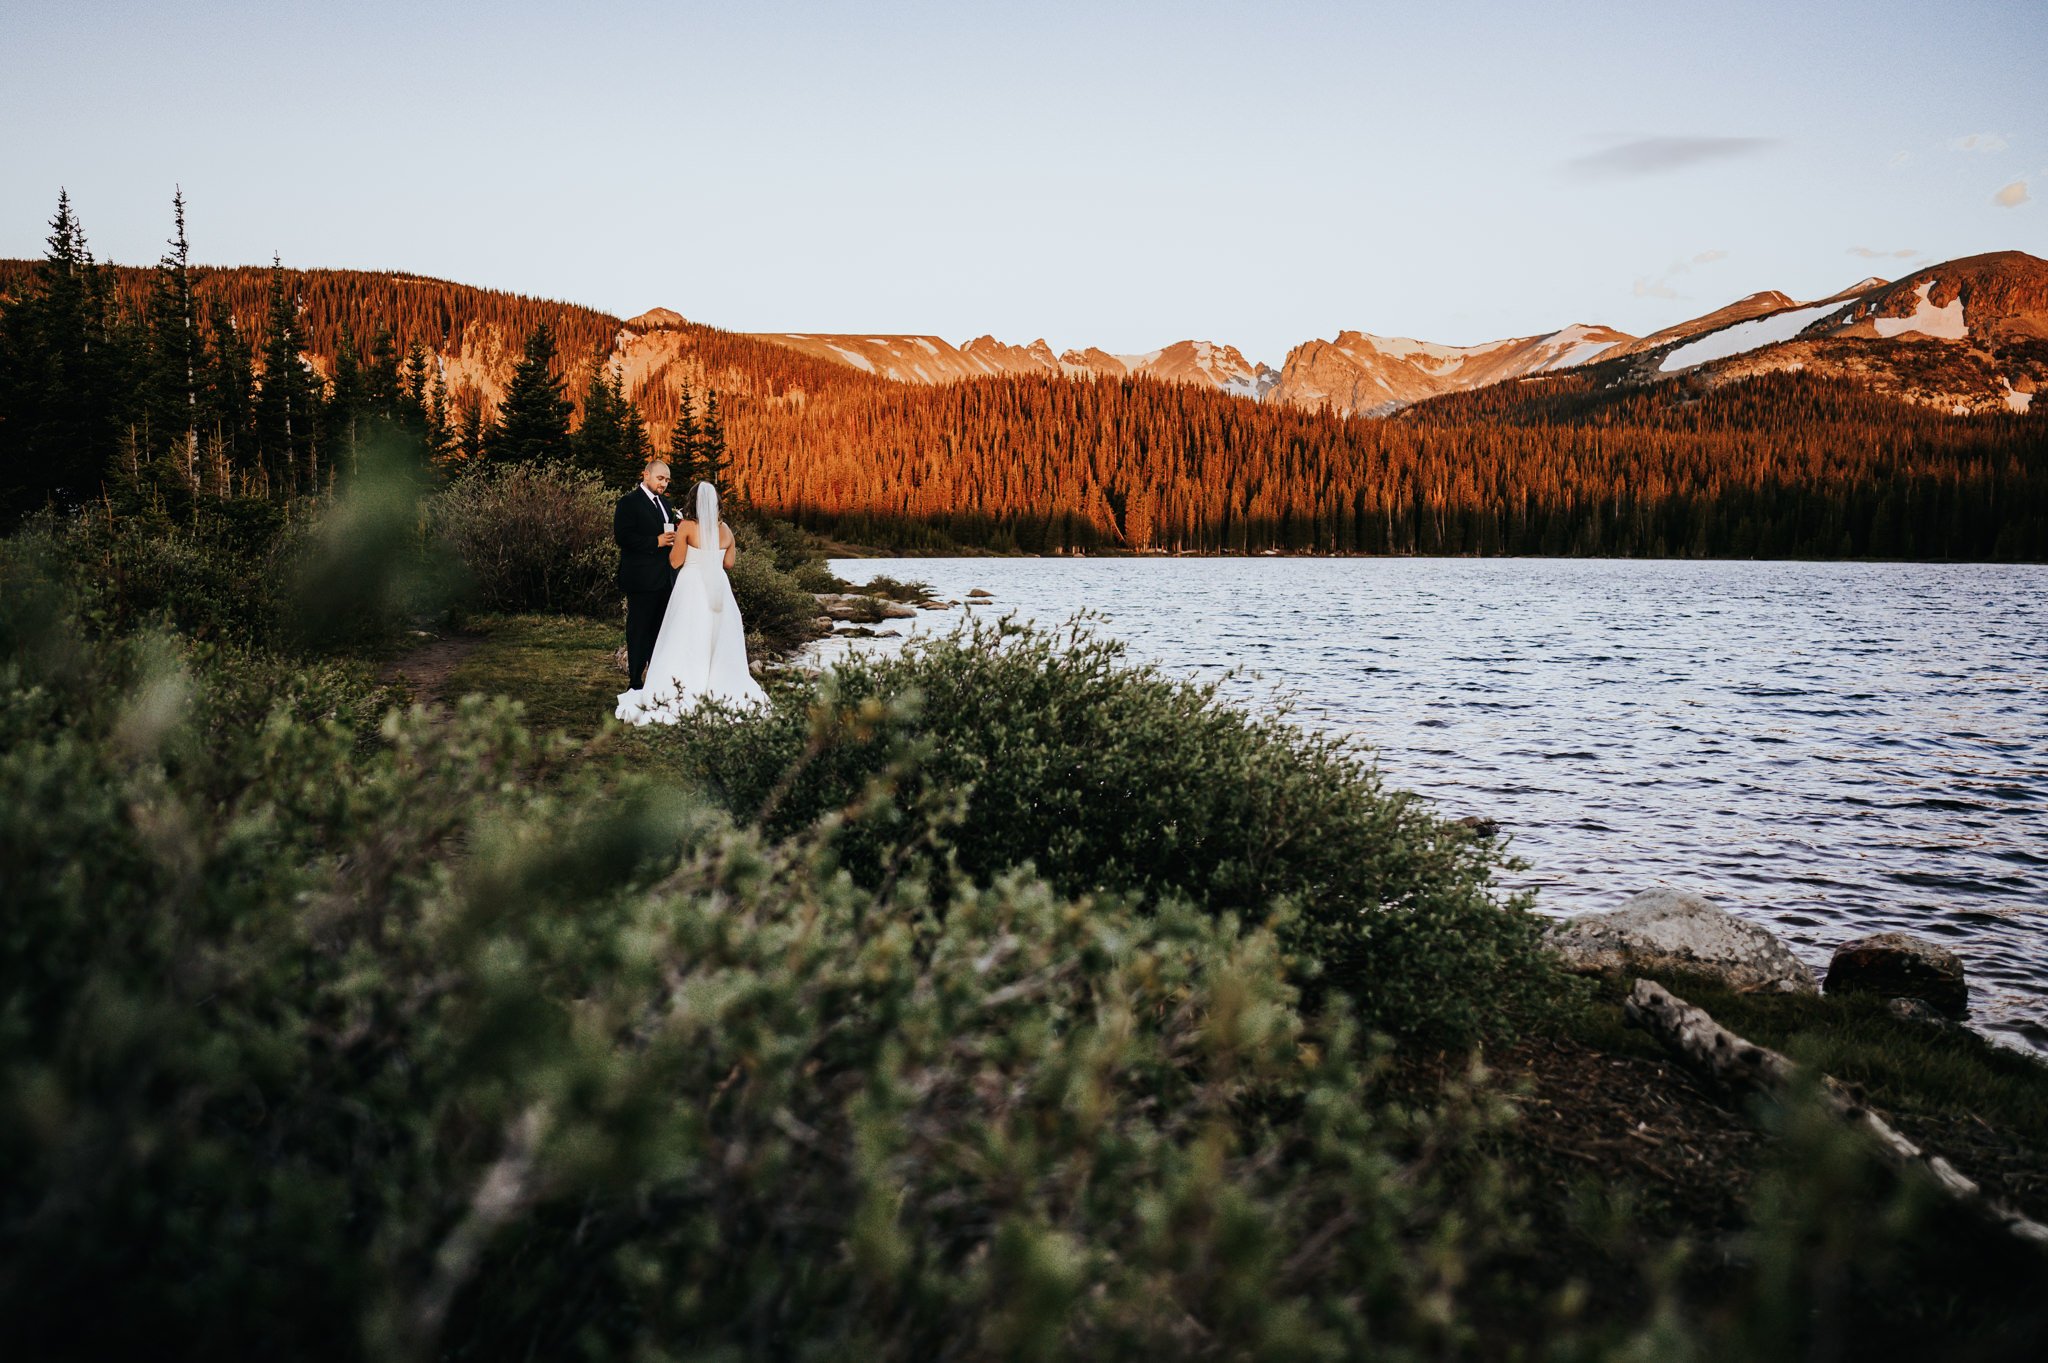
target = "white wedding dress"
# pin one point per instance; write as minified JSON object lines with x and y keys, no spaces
{"x":701,"y":651}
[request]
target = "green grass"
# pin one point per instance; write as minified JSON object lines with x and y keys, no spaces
{"x":559,"y":667}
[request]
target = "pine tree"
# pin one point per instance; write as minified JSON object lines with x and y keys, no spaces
{"x":597,"y":443}
{"x":413,"y":376}
{"x":227,"y":412}
{"x":175,"y":355}
{"x":380,"y":376}
{"x":475,"y":436}
{"x":635,"y":449}
{"x":67,"y":380}
{"x":682,"y":456}
{"x":42,"y":344}
{"x":348,"y":405}
{"x":286,"y":401}
{"x":533,"y":420}
{"x":714,"y":466}
{"x":439,"y":436}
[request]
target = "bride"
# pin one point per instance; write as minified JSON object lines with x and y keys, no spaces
{"x":701,"y":651}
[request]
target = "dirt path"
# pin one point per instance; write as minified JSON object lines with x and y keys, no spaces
{"x":425,"y":670}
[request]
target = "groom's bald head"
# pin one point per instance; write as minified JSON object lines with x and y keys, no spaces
{"x":655,"y":477}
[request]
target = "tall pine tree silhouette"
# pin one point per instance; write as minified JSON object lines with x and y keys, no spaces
{"x":413,"y":385}
{"x":226,"y":411}
{"x":714,"y":465}
{"x":66,"y":389}
{"x":596,"y":442}
{"x":175,"y":355}
{"x":287,"y":401}
{"x":347,"y":409}
{"x":682,"y":443}
{"x":533,"y":420}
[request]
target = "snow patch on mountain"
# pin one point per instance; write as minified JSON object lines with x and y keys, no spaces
{"x":1744,"y":337}
{"x":1945,"y":323}
{"x":1577,"y":344}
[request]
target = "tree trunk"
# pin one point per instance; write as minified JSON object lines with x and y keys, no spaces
{"x":1744,"y":1067}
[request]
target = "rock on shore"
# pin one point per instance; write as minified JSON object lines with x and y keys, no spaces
{"x":1663,"y":930}
{"x":1900,"y":966}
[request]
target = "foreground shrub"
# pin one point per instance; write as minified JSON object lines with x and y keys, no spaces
{"x":1105,"y":776}
{"x":310,"y":1050}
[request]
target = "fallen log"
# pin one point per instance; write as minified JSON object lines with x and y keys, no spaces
{"x":1745,"y":1067}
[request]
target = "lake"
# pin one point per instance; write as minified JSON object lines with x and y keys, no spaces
{"x":1832,"y":749}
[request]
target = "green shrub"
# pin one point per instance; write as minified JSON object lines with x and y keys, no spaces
{"x":794,"y":551}
{"x":532,"y":538}
{"x":539,"y":539}
{"x":780,"y":615}
{"x":310,"y":1049}
{"x":210,"y":576}
{"x":910,"y":592}
{"x":1110,"y":777}
{"x":308,"y":577}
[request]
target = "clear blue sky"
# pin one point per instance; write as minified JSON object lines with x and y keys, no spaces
{"x":1121,"y":175}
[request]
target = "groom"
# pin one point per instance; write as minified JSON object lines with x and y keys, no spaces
{"x":644,"y":525}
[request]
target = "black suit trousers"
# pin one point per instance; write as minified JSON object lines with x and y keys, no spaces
{"x":643,"y":621}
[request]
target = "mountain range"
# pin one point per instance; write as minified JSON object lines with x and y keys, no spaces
{"x":1995,"y":304}
{"x":1967,"y":335}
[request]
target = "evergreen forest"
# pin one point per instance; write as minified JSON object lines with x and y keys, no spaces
{"x":258,"y":382}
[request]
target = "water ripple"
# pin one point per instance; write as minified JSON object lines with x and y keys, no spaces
{"x":1834,"y":748}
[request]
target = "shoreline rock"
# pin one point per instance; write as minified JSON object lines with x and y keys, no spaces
{"x":861,"y":609}
{"x":1904,"y":969}
{"x":1666,"y":930}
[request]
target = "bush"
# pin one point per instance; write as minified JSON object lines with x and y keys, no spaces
{"x":539,"y":539}
{"x":218,"y":574}
{"x":304,"y":578}
{"x":794,"y":551}
{"x":780,"y":615}
{"x":910,"y":592}
{"x":313,"y":1050}
{"x":1109,"y":777}
{"x":533,"y":538}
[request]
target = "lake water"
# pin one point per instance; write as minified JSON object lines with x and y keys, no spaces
{"x":1831,"y":749}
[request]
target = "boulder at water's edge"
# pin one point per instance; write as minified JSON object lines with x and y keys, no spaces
{"x":1673,"y":930}
{"x":1898,"y":965}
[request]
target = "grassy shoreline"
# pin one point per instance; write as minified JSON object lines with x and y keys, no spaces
{"x":561,"y":673}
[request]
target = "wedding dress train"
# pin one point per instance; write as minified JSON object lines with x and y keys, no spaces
{"x":700,"y":653}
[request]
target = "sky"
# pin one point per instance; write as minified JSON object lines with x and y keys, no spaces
{"x":1120,"y":175}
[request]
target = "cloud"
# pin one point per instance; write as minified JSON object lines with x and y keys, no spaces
{"x":2013,"y":195}
{"x":1663,"y":285}
{"x":1906,"y":253}
{"x":1652,"y":155}
{"x":1980,"y":142}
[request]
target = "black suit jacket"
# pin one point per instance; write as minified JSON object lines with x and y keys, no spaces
{"x":643,"y":563}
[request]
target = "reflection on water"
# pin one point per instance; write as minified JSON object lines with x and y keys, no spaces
{"x":1834,"y":748}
